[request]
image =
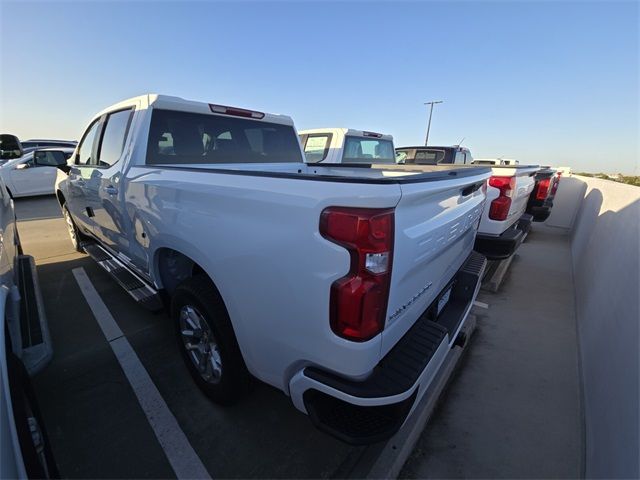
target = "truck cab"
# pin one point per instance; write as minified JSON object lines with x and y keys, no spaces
{"x":423,"y":155}
{"x":346,"y":145}
{"x":496,"y":161}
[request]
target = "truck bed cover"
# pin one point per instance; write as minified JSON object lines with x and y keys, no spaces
{"x":349,"y":173}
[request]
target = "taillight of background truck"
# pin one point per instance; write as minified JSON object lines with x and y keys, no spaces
{"x":543,"y":189}
{"x":358,"y":303}
{"x":499,"y":209}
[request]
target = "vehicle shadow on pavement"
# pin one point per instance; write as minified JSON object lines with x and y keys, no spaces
{"x":98,"y":429}
{"x":37,"y":208}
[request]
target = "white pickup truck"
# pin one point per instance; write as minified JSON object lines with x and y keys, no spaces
{"x":343,"y":286}
{"x":504,"y":223}
{"x":346,"y":145}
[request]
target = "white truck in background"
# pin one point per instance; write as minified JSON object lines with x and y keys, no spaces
{"x":345,"y":286}
{"x":346,"y":145}
{"x":504,"y":223}
{"x":496,"y":161}
{"x":434,"y":155}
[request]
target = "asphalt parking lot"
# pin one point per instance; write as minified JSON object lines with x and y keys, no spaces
{"x":96,"y":424}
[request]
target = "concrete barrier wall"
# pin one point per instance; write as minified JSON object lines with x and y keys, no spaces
{"x":605,"y":246}
{"x":567,"y":202}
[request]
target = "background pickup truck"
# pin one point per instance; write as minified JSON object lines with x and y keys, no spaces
{"x":541,"y":199}
{"x":495,"y":161}
{"x":346,"y":145}
{"x":422,"y":155}
{"x":504,"y":223}
{"x":343,"y":286}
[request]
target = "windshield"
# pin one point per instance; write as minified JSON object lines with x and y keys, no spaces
{"x":401,"y":156}
{"x":368,"y":150}
{"x":429,"y":157}
{"x":485,"y":162}
{"x":183,"y":138}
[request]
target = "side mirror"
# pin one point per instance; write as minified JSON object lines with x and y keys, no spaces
{"x":22,"y":166}
{"x":10,"y":147}
{"x":51,"y":158}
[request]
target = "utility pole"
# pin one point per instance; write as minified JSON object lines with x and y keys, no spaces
{"x":426,"y":140}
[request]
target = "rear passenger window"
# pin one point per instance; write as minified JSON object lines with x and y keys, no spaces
{"x":113,"y":137}
{"x":85,"y":150}
{"x":460,"y":158}
{"x":187,"y":138}
{"x":316,"y":147}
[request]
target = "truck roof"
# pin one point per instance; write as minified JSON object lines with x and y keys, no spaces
{"x":351,"y":132}
{"x":501,"y":159}
{"x":48,"y":140}
{"x":423,"y":147}
{"x":168,"y":102}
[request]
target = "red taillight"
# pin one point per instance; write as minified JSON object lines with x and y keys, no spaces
{"x":543,"y":189}
{"x":238,"y":112}
{"x":358,"y":304}
{"x":499,"y":208}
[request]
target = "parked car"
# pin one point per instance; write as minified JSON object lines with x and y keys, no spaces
{"x":36,"y":143}
{"x":25,"y":177}
{"x":495,"y":161}
{"x":343,"y":286}
{"x":25,"y":348}
{"x":10,"y":148}
{"x":541,"y":199}
{"x":504,"y":223}
{"x":432,"y":155}
{"x":346,"y":145}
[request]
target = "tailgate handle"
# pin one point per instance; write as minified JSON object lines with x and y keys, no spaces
{"x":470,"y":189}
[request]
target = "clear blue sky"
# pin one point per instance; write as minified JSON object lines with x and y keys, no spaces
{"x":547,"y":82}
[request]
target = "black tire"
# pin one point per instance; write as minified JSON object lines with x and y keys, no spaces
{"x":74,"y":233}
{"x":38,"y":461}
{"x":234,"y":379}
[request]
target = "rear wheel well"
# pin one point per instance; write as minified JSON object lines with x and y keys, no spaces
{"x":174,"y":268}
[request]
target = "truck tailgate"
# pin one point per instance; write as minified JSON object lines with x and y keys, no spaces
{"x":435,"y":228}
